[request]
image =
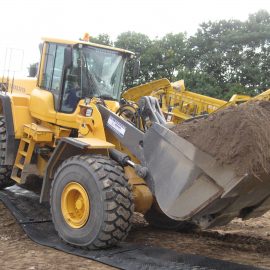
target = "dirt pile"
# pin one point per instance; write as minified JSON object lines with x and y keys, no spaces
{"x":238,"y":135}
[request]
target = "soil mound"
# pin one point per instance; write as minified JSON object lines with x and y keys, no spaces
{"x":238,"y":135}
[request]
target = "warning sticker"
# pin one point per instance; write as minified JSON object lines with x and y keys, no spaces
{"x":116,"y":126}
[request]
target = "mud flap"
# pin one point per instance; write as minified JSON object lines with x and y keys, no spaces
{"x":36,"y":221}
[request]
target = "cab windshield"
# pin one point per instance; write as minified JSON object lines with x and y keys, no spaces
{"x":95,"y":72}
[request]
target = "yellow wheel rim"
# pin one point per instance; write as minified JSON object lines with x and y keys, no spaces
{"x":75,"y":205}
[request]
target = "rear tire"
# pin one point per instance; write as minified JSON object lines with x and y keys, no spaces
{"x":157,"y":219}
{"x":5,"y":170}
{"x":101,"y":181}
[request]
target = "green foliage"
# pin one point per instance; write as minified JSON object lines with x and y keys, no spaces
{"x":171,"y":53}
{"x":200,"y":82}
{"x":103,"y":39}
{"x":222,"y":58}
{"x":159,"y":58}
{"x":139,"y":44}
{"x":235,"y":53}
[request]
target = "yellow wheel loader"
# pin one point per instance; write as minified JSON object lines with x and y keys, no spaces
{"x":98,"y":159}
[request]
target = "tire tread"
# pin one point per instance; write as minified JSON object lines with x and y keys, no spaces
{"x":5,"y":170}
{"x":118,"y":201}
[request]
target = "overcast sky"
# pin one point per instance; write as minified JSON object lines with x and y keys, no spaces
{"x":24,"y":22}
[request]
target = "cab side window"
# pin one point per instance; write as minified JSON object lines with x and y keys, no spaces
{"x":73,"y":85}
{"x":52,"y":69}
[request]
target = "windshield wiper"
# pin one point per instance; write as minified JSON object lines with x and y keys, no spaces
{"x":91,"y":79}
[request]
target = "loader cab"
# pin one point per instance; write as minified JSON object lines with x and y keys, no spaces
{"x":72,"y":71}
{"x":93,"y":72}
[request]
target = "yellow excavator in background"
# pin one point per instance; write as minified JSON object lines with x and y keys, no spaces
{"x":179,"y":104}
{"x":97,"y":158}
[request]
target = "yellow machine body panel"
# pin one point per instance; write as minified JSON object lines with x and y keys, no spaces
{"x":20,"y":112}
{"x":95,"y":143}
{"x":263,"y":96}
{"x":148,"y":89}
{"x":91,"y":127}
{"x":42,"y":105}
{"x":112,"y":105}
{"x":20,"y":85}
{"x":68,"y":120}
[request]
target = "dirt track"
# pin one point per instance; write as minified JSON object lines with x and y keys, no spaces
{"x":244,"y":242}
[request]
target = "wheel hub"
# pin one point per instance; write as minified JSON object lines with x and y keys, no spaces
{"x":75,"y":205}
{"x":79,"y":204}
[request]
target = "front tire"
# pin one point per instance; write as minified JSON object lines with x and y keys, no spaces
{"x":91,"y":202}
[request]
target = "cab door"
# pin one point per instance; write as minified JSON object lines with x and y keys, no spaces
{"x":45,"y":99}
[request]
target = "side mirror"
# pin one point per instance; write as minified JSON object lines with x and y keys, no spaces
{"x":136,"y":69}
{"x":33,"y":70}
{"x":67,"y":57}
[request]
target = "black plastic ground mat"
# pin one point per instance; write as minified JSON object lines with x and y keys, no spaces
{"x":36,"y":221}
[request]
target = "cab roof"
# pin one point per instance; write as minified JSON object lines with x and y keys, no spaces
{"x":74,"y":42}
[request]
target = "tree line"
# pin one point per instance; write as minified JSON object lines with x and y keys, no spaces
{"x":222,"y":58}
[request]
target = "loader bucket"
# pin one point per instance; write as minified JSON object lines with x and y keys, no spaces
{"x":189,"y":183}
{"x":184,"y":177}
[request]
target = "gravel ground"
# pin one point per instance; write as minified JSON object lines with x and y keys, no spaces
{"x":245,"y":242}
